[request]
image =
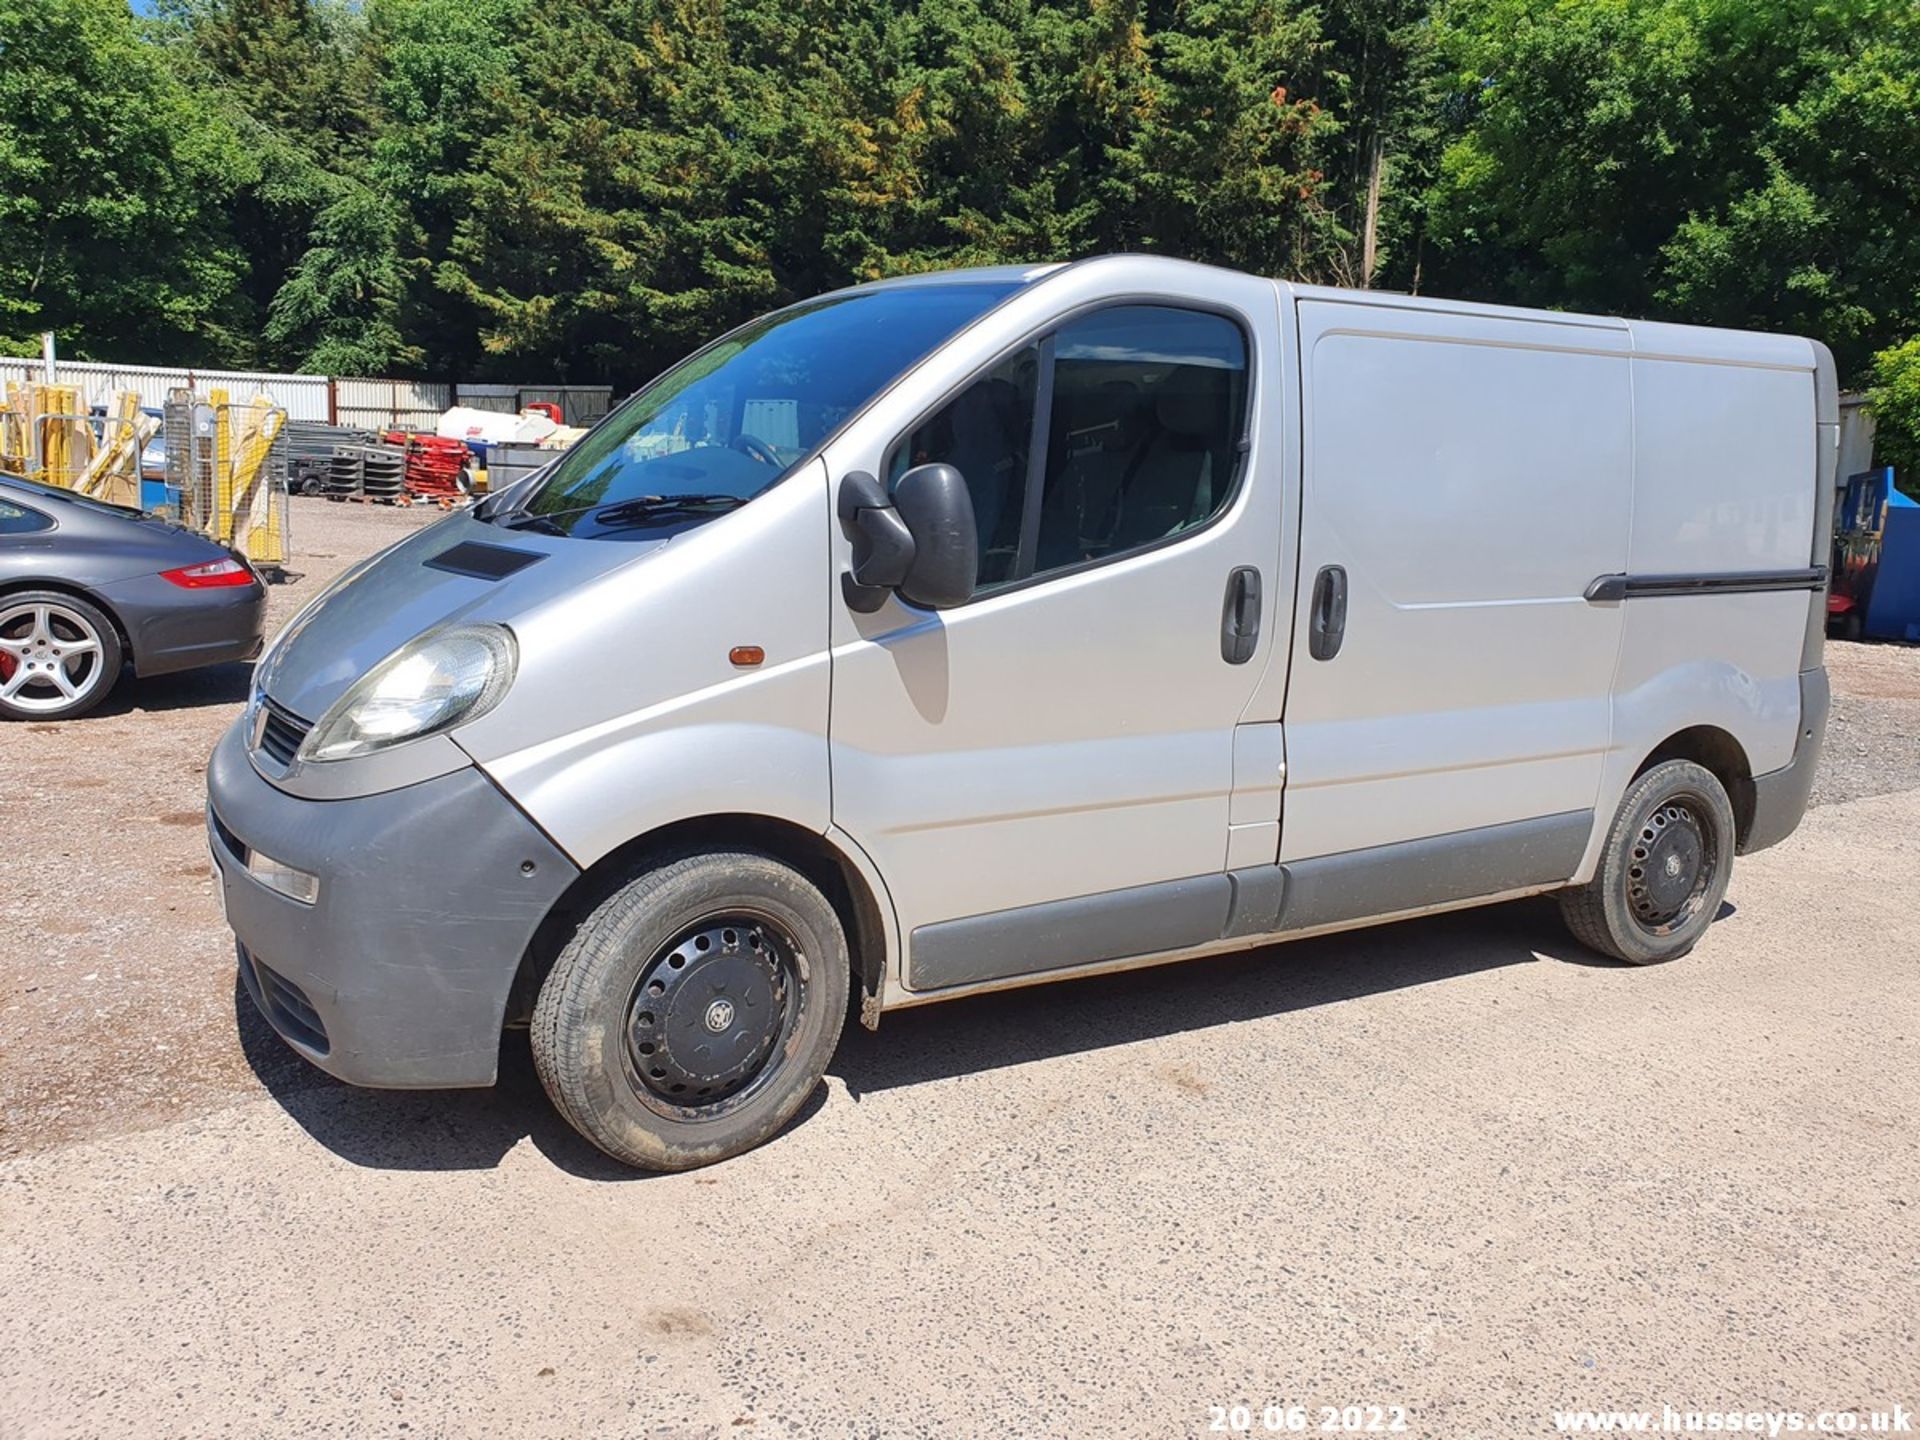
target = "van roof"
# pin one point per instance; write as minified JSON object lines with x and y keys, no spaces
{"x":1650,"y":339}
{"x":975,"y":275}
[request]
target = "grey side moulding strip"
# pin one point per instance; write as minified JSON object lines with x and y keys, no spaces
{"x":1413,"y":874}
{"x":1607,"y":589}
{"x":1260,"y":900}
{"x":1113,"y":925}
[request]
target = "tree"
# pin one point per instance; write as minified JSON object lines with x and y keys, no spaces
{"x":1820,"y":238}
{"x":295,"y":81}
{"x":1383,"y":87}
{"x":1742,"y":162}
{"x":112,"y":183}
{"x":1895,"y":397}
{"x":339,"y":308}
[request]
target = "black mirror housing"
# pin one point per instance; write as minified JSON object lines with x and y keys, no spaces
{"x":937,"y":507}
{"x":882,"y":546}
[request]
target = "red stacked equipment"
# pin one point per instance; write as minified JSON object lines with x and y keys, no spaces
{"x":435,"y":466}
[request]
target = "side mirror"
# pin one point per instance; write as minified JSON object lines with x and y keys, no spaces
{"x":919,"y":541}
{"x":938,"y":508}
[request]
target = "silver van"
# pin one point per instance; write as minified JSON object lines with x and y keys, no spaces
{"x":969,"y":630}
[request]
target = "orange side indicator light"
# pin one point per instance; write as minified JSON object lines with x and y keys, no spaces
{"x":746,"y":656}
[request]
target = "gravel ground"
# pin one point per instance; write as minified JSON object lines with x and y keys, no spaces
{"x":1454,"y":1165}
{"x":1873,"y":731}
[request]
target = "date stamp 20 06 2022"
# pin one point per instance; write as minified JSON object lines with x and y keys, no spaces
{"x":1286,"y":1419}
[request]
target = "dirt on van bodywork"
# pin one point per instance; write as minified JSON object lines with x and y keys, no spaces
{"x":116,"y":984}
{"x":116,"y":989}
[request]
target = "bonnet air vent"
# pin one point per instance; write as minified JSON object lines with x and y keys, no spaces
{"x":483,"y":562}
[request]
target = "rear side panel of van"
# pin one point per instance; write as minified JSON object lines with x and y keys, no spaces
{"x":1720,"y":562}
{"x":1471,"y":472}
{"x":1568,"y":542}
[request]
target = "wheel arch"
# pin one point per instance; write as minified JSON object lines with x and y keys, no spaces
{"x":1722,"y":755}
{"x":79,"y":592}
{"x":844,"y":879}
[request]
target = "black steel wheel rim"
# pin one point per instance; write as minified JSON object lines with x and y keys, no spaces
{"x":713,"y":1013}
{"x":1671,"y":865}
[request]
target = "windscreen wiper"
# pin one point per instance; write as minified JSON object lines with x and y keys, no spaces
{"x":642,"y":507}
{"x":646,"y":507}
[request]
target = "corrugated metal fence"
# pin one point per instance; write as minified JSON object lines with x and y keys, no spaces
{"x":389,"y":404}
{"x":417,"y":404}
{"x":303,"y":397}
{"x":370,"y":404}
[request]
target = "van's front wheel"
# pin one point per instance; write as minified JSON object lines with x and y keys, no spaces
{"x":693,"y":1011}
{"x":1664,"y":870}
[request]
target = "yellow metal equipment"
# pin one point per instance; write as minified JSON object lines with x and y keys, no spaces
{"x":229,"y":460}
{"x":113,"y":474}
{"x":45,"y":434}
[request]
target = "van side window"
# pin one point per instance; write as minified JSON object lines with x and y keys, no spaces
{"x":1149,"y":405}
{"x":18,"y":520}
{"x":985,"y":433}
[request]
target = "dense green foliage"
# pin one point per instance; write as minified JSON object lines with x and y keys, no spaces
{"x":1895,"y":395}
{"x":495,"y":187}
{"x":113,"y":179}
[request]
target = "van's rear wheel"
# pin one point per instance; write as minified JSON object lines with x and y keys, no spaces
{"x":694,"y":1011}
{"x":1664,"y":870}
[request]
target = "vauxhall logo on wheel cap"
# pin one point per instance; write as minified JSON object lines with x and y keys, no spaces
{"x":719,"y":1015}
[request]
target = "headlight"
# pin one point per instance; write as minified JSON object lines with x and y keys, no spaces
{"x":433,"y":682}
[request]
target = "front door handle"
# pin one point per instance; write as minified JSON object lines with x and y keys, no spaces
{"x":1327,"y":620}
{"x":1240,"y":616}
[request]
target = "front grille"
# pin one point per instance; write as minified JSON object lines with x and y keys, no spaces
{"x":282,"y":732}
{"x":289,"y":1009}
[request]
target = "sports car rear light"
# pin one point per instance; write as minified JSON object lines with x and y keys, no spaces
{"x":209,"y":575}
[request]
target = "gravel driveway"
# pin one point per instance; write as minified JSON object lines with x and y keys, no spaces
{"x":1456,"y":1164}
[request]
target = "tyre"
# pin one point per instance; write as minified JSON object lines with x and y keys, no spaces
{"x":694,"y":1011}
{"x":59,"y":656}
{"x":1664,"y":870}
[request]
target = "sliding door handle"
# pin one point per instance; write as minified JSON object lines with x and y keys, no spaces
{"x":1240,"y":616}
{"x":1327,"y":620}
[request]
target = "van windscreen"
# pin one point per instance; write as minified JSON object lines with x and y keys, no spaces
{"x":742,"y":414}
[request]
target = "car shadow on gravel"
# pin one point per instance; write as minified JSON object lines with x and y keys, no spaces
{"x":182,"y":690}
{"x":423,"y":1129}
{"x":1014,"y":1027}
{"x":474,"y":1129}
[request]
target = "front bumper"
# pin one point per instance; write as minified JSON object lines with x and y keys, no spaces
{"x":398,"y":975}
{"x":170,"y":628}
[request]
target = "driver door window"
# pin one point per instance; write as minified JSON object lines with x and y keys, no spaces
{"x":985,"y":433}
{"x":1139,"y":440}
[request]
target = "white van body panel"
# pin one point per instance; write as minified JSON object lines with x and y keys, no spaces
{"x":1471,"y":472}
{"x":1725,"y":441}
{"x":1076,"y":735}
{"x":675,"y":730}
